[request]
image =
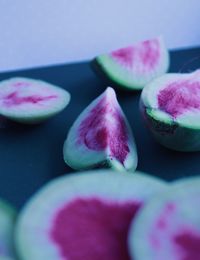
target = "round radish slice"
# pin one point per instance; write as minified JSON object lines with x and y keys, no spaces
{"x":7,"y":221}
{"x":83,"y":216}
{"x":134,"y":66}
{"x":171,"y":106}
{"x":101,"y":137}
{"x":168,"y":226}
{"x":31,"y":101}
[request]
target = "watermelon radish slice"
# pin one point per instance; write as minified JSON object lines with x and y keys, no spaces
{"x":83,"y":216}
{"x":168,"y":226}
{"x":171,"y":107}
{"x":31,"y":101}
{"x":7,"y":221}
{"x":101,"y":137}
{"x":134,"y":66}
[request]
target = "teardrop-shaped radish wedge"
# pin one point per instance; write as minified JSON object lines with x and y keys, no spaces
{"x":31,"y":101}
{"x":134,"y":66}
{"x":101,"y":136}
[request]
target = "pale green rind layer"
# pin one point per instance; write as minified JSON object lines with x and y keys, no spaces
{"x":37,"y":114}
{"x":35,"y":221}
{"x":127,"y":78}
{"x":79,"y":157}
{"x":171,"y":134}
{"x":7,"y":222}
{"x":185,"y":194}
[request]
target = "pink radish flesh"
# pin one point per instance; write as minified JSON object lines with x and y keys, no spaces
{"x":105,"y":128}
{"x":13,"y":99}
{"x":184,"y":240}
{"x":147,"y":53}
{"x":179,"y":97}
{"x":187,"y":242}
{"x":124,"y":56}
{"x":91,"y":228}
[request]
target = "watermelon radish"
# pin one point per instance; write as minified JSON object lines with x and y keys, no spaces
{"x":168,"y":226}
{"x":7,"y":221}
{"x":101,"y":137}
{"x":171,"y":107}
{"x":31,"y":101}
{"x":83,"y":216}
{"x":134,"y":66}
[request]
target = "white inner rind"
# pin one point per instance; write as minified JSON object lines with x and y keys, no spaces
{"x":81,"y":157}
{"x":190,"y":118}
{"x":36,"y":220}
{"x":35,"y":88}
{"x":185,"y":195}
{"x":132,"y":78}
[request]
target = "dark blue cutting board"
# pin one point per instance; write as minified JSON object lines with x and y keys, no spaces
{"x":32,"y":155}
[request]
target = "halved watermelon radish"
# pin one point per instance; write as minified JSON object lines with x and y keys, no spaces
{"x":7,"y":222}
{"x":101,"y":137}
{"x":83,"y":216}
{"x":31,"y":101}
{"x":168,"y":226}
{"x":171,"y":106}
{"x":134,"y":66}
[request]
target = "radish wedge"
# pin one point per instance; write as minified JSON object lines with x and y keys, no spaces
{"x":101,"y":137}
{"x":83,"y":216}
{"x":134,"y":66}
{"x":31,"y":101}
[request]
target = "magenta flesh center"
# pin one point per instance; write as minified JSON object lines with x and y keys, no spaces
{"x":92,"y":228}
{"x":14,"y":99}
{"x":179,"y":97}
{"x":146,"y":53}
{"x":105,"y":128}
{"x":184,"y":242}
{"x":188,"y":242}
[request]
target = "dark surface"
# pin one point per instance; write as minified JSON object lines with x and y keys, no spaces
{"x":32,"y":155}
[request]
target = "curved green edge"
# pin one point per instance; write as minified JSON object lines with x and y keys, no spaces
{"x":12,"y":213}
{"x":171,"y":134}
{"x":99,"y":69}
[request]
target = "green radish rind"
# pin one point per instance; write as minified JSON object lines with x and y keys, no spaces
{"x":79,"y":157}
{"x":184,"y":194}
{"x":35,"y":220}
{"x":114,"y":73}
{"x":7,"y":223}
{"x":181,"y":134}
{"x":31,"y":114}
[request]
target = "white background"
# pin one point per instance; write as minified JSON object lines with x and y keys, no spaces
{"x":39,"y":32}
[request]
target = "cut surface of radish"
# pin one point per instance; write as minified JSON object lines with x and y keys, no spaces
{"x":30,"y":100}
